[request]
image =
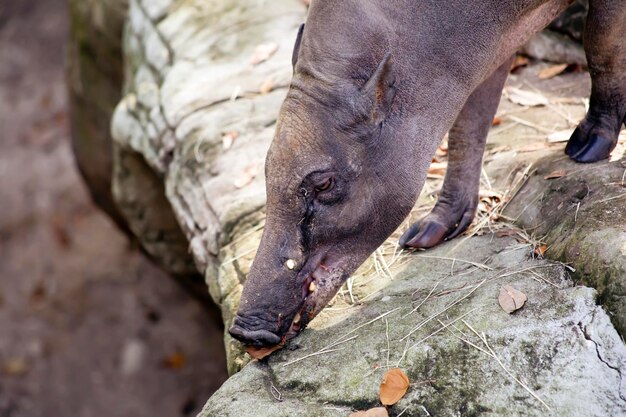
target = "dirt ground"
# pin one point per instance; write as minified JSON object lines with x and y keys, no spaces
{"x":88,"y":326}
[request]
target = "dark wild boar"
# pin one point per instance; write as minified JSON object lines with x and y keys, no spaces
{"x":376,"y":85}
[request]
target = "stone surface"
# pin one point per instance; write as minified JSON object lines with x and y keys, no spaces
{"x":583,"y":218}
{"x":86,"y":320}
{"x":95,"y":78}
{"x":190,"y":83}
{"x":560,"y":344}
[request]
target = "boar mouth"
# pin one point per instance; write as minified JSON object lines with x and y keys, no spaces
{"x":324,"y":276}
{"x":321,"y":277}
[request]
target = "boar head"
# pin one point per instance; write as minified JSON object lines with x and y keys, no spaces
{"x":338,"y":184}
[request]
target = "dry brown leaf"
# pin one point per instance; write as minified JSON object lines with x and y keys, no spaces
{"x":393,"y":387}
{"x":491,"y":194}
{"x":509,"y":231}
{"x":518,"y":62}
{"x":266,"y":86}
{"x":540,"y":250}
{"x":551,"y":71}
{"x":555,"y":174}
{"x":175,"y":361}
{"x":560,"y":136}
{"x":38,"y":294}
{"x":511,"y":299}
{"x":15,"y":367}
{"x":538,"y":146}
{"x":437,"y":170}
{"x":260,"y":353}
{"x":372,"y":412}
{"x":247,"y":176}
{"x":497,"y":121}
{"x":263,"y":52}
{"x":229,"y":138}
{"x":525,"y":97}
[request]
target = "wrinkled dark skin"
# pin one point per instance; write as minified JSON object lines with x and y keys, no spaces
{"x":376,"y":85}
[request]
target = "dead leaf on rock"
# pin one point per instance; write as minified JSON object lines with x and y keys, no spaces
{"x":442,"y":150}
{"x":372,"y":412}
{"x":497,"y":121}
{"x":518,"y":62}
{"x":551,"y":71}
{"x":437,"y":170}
{"x":560,"y":136}
{"x":511,"y":299}
{"x":260,"y":353}
{"x":175,"y":361}
{"x":263,"y":52}
{"x":266,"y":86}
{"x":229,"y":138}
{"x":38,"y":294}
{"x":525,"y":97}
{"x":393,"y":387}
{"x":15,"y":367}
{"x":555,"y":174}
{"x":537,"y":146}
{"x":540,"y":250}
{"x":247,"y":176}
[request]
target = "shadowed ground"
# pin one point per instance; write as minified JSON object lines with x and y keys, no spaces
{"x":88,"y":326}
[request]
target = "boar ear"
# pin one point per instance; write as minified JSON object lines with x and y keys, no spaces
{"x":378,"y":93}
{"x":296,"y":47}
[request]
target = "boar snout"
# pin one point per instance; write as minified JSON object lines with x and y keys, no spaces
{"x":241,"y":331}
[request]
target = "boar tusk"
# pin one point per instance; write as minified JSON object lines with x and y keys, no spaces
{"x":312,"y":286}
{"x":296,"y":319}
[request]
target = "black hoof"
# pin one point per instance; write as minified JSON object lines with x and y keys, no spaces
{"x":595,"y":137}
{"x":576,"y":142}
{"x":596,"y":149}
{"x":423,"y":234}
{"x":430,"y":231}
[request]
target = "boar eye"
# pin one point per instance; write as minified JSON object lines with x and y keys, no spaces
{"x":326,"y":185}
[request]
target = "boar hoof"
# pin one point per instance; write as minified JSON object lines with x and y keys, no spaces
{"x":430,"y":231}
{"x":591,"y":145}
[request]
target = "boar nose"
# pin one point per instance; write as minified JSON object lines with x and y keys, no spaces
{"x":254,"y":337}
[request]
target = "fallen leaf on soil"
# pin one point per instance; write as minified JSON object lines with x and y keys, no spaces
{"x":15,"y":367}
{"x":491,"y":194}
{"x":509,"y":231}
{"x":560,"y":136}
{"x":38,"y":294}
{"x":540,"y":250}
{"x":247,"y":176}
{"x":437,"y":170}
{"x":372,"y":412}
{"x":533,"y":147}
{"x":442,"y":149}
{"x":551,"y":71}
{"x":263,"y":52}
{"x":518,"y":62}
{"x":525,"y":97}
{"x":393,"y":387}
{"x":60,"y":232}
{"x":260,"y":353}
{"x":175,"y":361}
{"x":266,"y":86}
{"x":555,"y":174}
{"x":229,"y":138}
{"x":511,"y":299}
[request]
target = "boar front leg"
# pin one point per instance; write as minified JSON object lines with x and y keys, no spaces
{"x":458,"y":200}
